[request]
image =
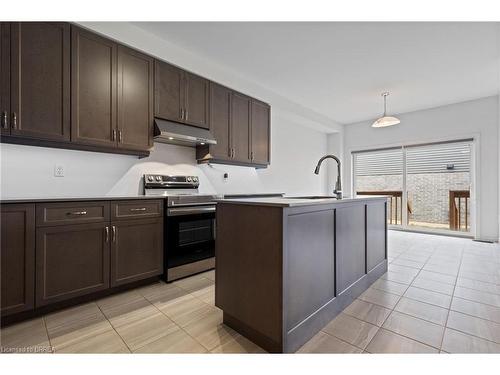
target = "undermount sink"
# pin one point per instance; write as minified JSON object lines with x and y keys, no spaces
{"x":314,"y":197}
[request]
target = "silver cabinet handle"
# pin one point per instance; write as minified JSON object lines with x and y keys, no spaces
{"x":78,"y":213}
{"x":4,"y":119}
{"x":138,"y":209}
{"x":120,"y":137}
{"x":14,"y":120}
{"x":251,"y":156}
{"x":113,"y":229}
{"x":186,"y":114}
{"x":113,"y":135}
{"x":106,"y":231}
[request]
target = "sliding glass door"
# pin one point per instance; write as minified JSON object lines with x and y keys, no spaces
{"x":380,"y":172}
{"x":429,"y":186}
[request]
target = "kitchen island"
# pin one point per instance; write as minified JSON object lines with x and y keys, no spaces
{"x":287,"y":266}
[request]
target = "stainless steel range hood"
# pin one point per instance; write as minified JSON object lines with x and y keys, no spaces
{"x":179,"y":134}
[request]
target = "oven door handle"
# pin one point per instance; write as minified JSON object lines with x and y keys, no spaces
{"x":189,"y":211}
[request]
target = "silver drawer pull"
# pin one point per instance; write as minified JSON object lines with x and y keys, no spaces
{"x":138,"y":209}
{"x":78,"y":213}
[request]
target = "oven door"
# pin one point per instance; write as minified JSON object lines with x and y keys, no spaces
{"x":190,"y":234}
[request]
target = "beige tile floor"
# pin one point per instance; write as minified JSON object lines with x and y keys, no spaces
{"x":440,"y":295}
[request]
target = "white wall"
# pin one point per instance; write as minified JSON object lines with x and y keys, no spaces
{"x":299,"y":139}
{"x":478,"y":119}
{"x":29,"y":171}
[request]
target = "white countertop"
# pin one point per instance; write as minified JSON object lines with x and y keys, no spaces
{"x":297,"y":202}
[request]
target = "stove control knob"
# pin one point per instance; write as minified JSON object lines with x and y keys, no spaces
{"x":195,"y":179}
{"x":158,"y":178}
{"x":189,"y":179}
{"x":150,"y":178}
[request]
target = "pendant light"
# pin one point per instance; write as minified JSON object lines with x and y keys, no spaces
{"x":385,"y":120}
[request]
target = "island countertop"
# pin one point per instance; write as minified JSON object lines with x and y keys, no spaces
{"x":298,"y":201}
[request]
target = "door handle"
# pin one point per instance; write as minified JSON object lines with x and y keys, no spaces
{"x":14,"y":120}
{"x":113,"y":229}
{"x":106,"y":232}
{"x":4,"y":119}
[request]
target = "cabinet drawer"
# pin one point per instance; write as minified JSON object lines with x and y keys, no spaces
{"x":122,"y":210}
{"x":71,"y":213}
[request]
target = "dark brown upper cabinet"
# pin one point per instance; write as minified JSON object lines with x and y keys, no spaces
{"x":5,"y":78}
{"x":112,"y":94}
{"x":93,"y":91}
{"x":197,"y":94}
{"x":169,"y":99}
{"x":67,"y":87}
{"x":220,"y":125}
{"x":40,"y":80}
{"x":135,"y":99}
{"x":260,"y":125}
{"x":17,"y":258}
{"x":240,"y":128}
{"x":181,"y":96}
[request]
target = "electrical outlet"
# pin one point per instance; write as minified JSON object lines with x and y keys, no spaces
{"x":58,"y":170}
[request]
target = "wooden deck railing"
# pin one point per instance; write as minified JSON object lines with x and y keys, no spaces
{"x":395,"y":208}
{"x":459,"y":210}
{"x":459,"y":207}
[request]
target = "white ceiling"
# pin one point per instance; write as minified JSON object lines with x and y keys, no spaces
{"x":340,"y":69}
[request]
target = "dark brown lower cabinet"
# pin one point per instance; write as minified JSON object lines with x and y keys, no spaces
{"x":17,"y":258}
{"x":71,"y":260}
{"x":136,"y":250}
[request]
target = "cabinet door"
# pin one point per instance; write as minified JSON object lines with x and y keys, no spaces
{"x":135,"y":99}
{"x":260,"y":132}
{"x":93,"y":89}
{"x":220,"y":122}
{"x":169,"y":100}
{"x":240,"y":127}
{"x":71,"y":260}
{"x":136,"y":250}
{"x":349,"y":245}
{"x":17,"y":258}
{"x":197,"y":92}
{"x":375,"y":234}
{"x":40,"y":80}
{"x":5,"y":77}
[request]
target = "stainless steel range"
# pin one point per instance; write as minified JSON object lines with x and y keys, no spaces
{"x":189,"y":224}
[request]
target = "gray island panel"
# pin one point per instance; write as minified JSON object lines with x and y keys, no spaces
{"x":284,"y":271}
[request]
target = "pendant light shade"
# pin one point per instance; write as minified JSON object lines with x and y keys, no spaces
{"x":385,"y":120}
